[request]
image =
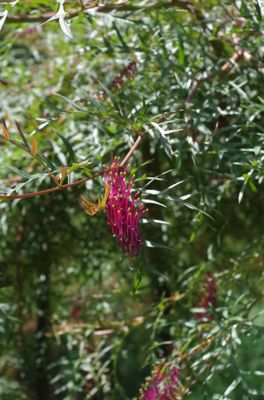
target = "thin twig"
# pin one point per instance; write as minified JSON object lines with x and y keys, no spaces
{"x":22,"y":135}
{"x":68,"y":185}
{"x":103,"y":8}
{"x":49,"y":190}
{"x":131,"y":151}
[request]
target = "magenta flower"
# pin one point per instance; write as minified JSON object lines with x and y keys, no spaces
{"x":208,"y":298}
{"x":163,"y":385}
{"x":151,"y":393}
{"x":170,"y":385}
{"x":123,"y":209}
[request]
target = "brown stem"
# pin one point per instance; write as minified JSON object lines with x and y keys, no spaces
{"x":131,"y":151}
{"x":104,"y":8}
{"x":49,"y":190}
{"x":68,"y":185}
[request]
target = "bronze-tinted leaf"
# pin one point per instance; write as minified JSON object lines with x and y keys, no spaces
{"x":6,"y":133}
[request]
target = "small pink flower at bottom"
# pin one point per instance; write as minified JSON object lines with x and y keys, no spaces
{"x":123,"y":209}
{"x":208,"y":297}
{"x":171,"y":384}
{"x":163,"y":385}
{"x":151,"y":393}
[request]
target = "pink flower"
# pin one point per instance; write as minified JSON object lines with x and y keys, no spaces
{"x":240,"y":21}
{"x":151,"y":393}
{"x":123,"y":209}
{"x":170,"y":385}
{"x":164,"y":384}
{"x":76,"y":312}
{"x":208,"y":298}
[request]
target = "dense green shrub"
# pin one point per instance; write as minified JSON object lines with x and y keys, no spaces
{"x":174,"y":87}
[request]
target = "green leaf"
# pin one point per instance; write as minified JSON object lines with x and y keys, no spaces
{"x":65,"y":27}
{"x":47,"y":162}
{"x":75,"y":105}
{"x":82,"y":165}
{"x":181,"y":55}
{"x":148,"y":243}
{"x":3,"y":16}
{"x":258,"y":9}
{"x":138,"y":265}
{"x":163,"y":139}
{"x":19,"y":186}
{"x":192,"y":237}
{"x":120,"y":37}
{"x":61,"y":15}
{"x":232,"y":386}
{"x":18,"y":171}
{"x":69,"y":148}
{"x":150,"y":201}
{"x":251,"y":185}
{"x":154,"y":221}
{"x":173,"y":186}
{"x":111,"y":96}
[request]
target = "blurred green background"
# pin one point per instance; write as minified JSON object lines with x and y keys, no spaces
{"x":79,"y":319}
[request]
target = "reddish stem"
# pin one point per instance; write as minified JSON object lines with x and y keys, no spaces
{"x":131,"y":151}
{"x":49,"y":190}
{"x":75,"y":183}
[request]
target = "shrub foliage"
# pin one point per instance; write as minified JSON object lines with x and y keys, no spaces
{"x":174,"y":90}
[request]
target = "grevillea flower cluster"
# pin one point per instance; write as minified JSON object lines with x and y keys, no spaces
{"x":123,"y":208}
{"x":208,"y":297}
{"x":163,"y":385}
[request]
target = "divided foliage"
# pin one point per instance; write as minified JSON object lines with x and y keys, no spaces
{"x":83,"y":80}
